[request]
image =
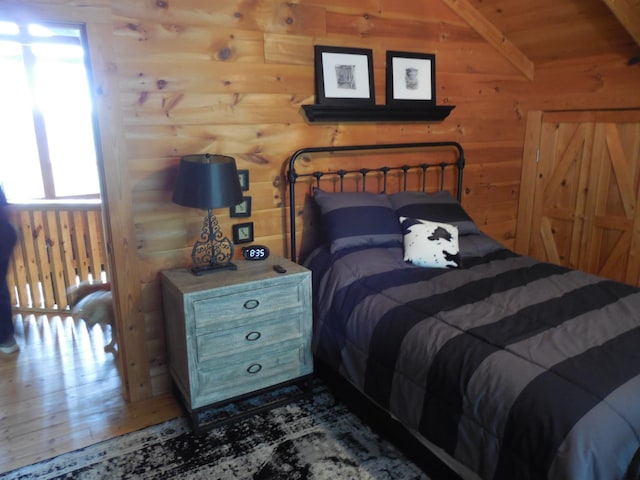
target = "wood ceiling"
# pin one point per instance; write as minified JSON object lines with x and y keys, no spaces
{"x":539,"y":33}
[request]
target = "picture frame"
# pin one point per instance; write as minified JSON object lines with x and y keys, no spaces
{"x":243,"y":177}
{"x":344,"y":76}
{"x":411,"y":77}
{"x":243,"y":209}
{"x":242,"y":232}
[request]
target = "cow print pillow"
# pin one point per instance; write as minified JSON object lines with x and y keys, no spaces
{"x":430,"y":244}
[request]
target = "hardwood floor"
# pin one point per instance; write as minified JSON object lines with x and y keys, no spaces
{"x":63,"y":392}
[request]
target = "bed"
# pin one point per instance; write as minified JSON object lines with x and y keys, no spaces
{"x":506,"y":367}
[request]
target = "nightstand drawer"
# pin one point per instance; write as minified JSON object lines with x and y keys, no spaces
{"x":251,"y":335}
{"x":260,"y":301}
{"x":246,"y":373}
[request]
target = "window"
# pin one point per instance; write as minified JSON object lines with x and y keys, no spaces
{"x":48,"y":150}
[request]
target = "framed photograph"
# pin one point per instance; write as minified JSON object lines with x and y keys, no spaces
{"x":344,"y":76}
{"x":242,"y":232}
{"x":243,"y":176}
{"x":411,"y":77}
{"x":242,"y":209}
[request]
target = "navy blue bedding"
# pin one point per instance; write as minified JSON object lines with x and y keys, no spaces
{"x":518,"y":369}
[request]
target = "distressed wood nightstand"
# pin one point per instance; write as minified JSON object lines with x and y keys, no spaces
{"x":234,"y":334}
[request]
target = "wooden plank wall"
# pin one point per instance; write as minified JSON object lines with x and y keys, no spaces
{"x":229,"y":76}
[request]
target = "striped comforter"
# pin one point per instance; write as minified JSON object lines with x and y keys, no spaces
{"x":518,"y":369}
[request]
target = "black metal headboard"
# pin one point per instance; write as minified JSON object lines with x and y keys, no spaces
{"x":404,"y":170}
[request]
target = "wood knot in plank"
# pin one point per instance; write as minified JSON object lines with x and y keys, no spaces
{"x":143,"y":98}
{"x":225,"y":54}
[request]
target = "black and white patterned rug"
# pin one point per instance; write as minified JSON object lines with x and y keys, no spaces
{"x":308,"y":439}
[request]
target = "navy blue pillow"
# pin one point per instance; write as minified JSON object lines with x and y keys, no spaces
{"x":357,"y":219}
{"x":439,"y":207}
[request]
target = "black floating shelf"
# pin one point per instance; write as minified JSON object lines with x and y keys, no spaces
{"x":376,"y":113}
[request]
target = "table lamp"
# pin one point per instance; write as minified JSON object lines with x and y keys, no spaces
{"x":209,"y":181}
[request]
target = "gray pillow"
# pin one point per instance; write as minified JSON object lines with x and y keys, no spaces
{"x":439,"y":207}
{"x":477,"y":245}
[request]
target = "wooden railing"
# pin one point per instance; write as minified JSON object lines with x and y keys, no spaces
{"x":59,"y":244}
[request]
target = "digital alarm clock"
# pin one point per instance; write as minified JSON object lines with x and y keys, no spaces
{"x":255,"y":252}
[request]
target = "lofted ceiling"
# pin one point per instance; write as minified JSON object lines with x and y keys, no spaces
{"x":538,"y":33}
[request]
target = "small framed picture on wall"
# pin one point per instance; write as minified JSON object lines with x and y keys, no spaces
{"x":242,"y":232}
{"x":243,"y":176}
{"x":243,"y":209}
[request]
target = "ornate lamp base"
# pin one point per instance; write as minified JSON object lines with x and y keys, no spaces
{"x":203,"y":269}
{"x":214,"y":251}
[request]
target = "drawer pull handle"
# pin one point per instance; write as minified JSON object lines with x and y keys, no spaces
{"x":251,"y":304}
{"x":253,"y":336}
{"x":254,"y":368}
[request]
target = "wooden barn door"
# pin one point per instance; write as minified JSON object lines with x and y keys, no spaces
{"x":610,"y":245}
{"x":580,"y":192}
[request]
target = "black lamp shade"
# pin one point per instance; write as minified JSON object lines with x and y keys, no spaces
{"x":207,"y":181}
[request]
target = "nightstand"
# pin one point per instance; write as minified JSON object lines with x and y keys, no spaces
{"x":232,"y":335}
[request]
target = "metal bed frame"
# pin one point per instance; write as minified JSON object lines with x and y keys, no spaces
{"x":293,"y":176}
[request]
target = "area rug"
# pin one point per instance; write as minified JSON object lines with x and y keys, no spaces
{"x":317,"y":438}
